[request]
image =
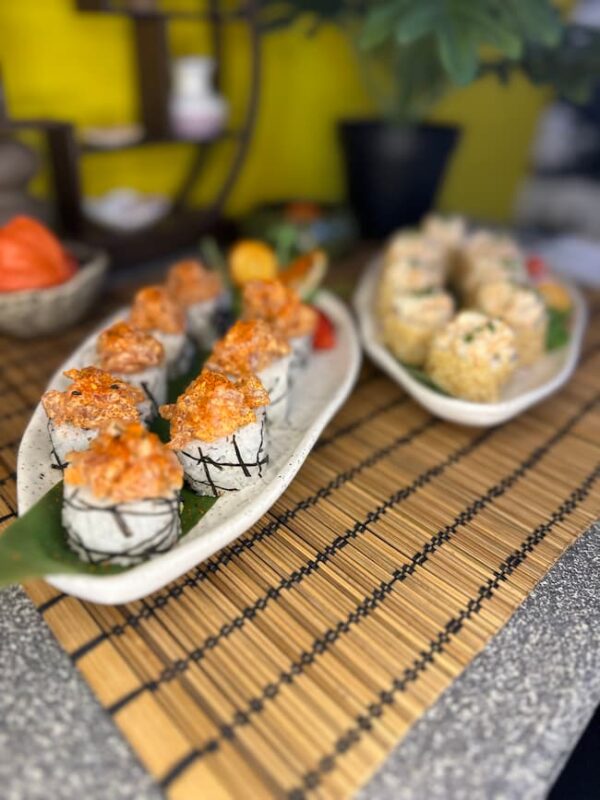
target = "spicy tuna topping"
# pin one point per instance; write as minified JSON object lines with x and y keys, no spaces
{"x":123,"y":348}
{"x":94,"y":398}
{"x":190,"y":282}
{"x":248,"y":347}
{"x":155,"y":308}
{"x":125,"y":463}
{"x":213,"y":406}
{"x":279,"y":305}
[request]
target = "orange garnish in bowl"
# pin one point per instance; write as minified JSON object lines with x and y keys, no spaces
{"x":31,"y":257}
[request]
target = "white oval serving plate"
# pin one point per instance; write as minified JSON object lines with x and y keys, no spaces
{"x":527,"y":386}
{"x":317,"y":394}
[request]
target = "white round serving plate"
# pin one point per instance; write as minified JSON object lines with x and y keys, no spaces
{"x":528,"y":386}
{"x":318,"y":392}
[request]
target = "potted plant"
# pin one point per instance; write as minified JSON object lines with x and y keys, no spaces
{"x":412,"y":53}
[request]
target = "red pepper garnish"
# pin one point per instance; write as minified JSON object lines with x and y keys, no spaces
{"x":324,"y":335}
{"x":536,"y":267}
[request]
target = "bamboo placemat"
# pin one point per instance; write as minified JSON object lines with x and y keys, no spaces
{"x":292,"y":661}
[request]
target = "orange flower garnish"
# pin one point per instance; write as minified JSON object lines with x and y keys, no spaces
{"x":123,"y":348}
{"x":93,"y":399}
{"x":190,"y":282}
{"x":213,"y":406}
{"x":247,"y":347}
{"x":125,"y":463}
{"x":251,"y":260}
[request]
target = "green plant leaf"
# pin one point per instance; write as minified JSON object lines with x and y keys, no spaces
{"x":378,"y":25}
{"x":35,"y":544}
{"x":458,"y":53}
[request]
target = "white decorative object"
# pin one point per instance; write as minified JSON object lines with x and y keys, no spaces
{"x":36,"y":312}
{"x":126,"y":209}
{"x":528,"y":386}
{"x":326,"y":382}
{"x":197,"y":111}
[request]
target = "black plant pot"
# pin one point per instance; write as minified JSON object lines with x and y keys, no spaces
{"x":393,"y":171}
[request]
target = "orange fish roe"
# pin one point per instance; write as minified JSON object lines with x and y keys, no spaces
{"x":190,"y":282}
{"x":154,"y":308}
{"x":123,"y":348}
{"x":248,"y":347}
{"x":94,"y":398}
{"x":125,"y":463}
{"x":280,"y":305}
{"x":213,"y":406}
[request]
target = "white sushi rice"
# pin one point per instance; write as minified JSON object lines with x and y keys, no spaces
{"x":153,"y":382}
{"x":202,"y":320}
{"x":66,"y":438}
{"x":119,"y":533}
{"x":301,"y":349}
{"x":276,"y":380}
{"x":227,"y":464}
{"x":179,"y":351}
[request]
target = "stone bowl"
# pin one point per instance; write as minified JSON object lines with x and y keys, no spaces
{"x":38,"y":312}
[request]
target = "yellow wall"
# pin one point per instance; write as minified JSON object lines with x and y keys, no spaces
{"x":79,"y":66}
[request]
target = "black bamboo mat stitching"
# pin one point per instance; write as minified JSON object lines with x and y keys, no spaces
{"x":200,"y":573}
{"x":363,"y":609}
{"x":357,"y":423}
{"x":352,"y":736}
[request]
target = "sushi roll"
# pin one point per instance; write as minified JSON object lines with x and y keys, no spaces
{"x":473,"y":357}
{"x":488,"y":257}
{"x":156,"y":311}
{"x":122,"y":497}
{"x":201,"y":293}
{"x":218,"y":432}
{"x":412,"y":320}
{"x":138,"y":358}
{"x":281,"y":307}
{"x":523,"y":310}
{"x":253,"y":347}
{"x":412,"y":263}
{"x":449,"y":233}
{"x":92,"y":400}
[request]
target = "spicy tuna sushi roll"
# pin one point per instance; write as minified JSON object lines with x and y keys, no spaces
{"x":412,"y":320}
{"x":218,"y":432}
{"x":281,"y":307}
{"x":201,"y":293}
{"x":93,"y":399}
{"x":523,"y":310}
{"x":156,"y":311}
{"x":138,"y":358}
{"x":122,"y":497}
{"x":473,"y":357}
{"x":253,"y":347}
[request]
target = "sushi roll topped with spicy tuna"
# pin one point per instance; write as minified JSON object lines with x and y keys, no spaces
{"x":255,"y":347}
{"x":137,"y":357}
{"x":93,"y":399}
{"x":217,"y":431}
{"x":281,"y":307}
{"x":121,"y":496}
{"x":156,"y":311}
{"x":201,"y":293}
